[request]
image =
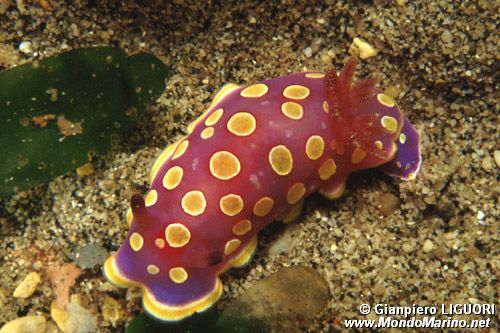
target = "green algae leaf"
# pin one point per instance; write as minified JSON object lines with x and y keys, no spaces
{"x":57,"y":113}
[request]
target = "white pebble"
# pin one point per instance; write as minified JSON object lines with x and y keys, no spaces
{"x":28,"y":324}
{"x":365,"y":50}
{"x":308,"y":51}
{"x":26,"y":48}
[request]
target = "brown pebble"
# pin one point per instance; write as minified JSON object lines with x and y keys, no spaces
{"x":487,"y":163}
{"x":446,"y":36}
{"x":389,"y":203}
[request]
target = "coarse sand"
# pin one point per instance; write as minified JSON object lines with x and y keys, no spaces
{"x":430,"y":241}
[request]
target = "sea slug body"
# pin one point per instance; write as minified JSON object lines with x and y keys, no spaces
{"x":251,"y":159}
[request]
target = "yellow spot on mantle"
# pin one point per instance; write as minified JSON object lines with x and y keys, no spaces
{"x":292,"y":110}
{"x":194,"y":203}
{"x":173,"y":177}
{"x":325,"y":106}
{"x":255,"y":90}
{"x":281,"y":160}
{"x":231,"y":204}
{"x":402,"y":138}
{"x":231,"y":246}
{"x":153,"y":269}
{"x":379,"y":144}
{"x":178,"y":274}
{"x":296,"y":91}
{"x":207,"y":133}
{"x":151,"y":198}
{"x":263,"y":207}
{"x":214,"y":117}
{"x":241,"y":124}
{"x":315,"y":147}
{"x":242,"y":227}
{"x":136,"y":241}
{"x":327,"y":169}
{"x":224,"y":165}
{"x":390,"y":124}
{"x":295,"y":193}
{"x":386,"y":100}
{"x":358,"y":155}
{"x":177,"y":235}
{"x":160,"y":243}
{"x":181,"y":148}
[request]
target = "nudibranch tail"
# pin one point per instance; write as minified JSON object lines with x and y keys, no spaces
{"x":164,"y":292}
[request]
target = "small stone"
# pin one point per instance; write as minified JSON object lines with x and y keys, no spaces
{"x":28,"y":286}
{"x":408,"y":247}
{"x":285,"y":242}
{"x":428,"y":246}
{"x":496,"y":157}
{"x":28,"y":324}
{"x":26,"y":48}
{"x":364,"y":49}
{"x":487,"y":163}
{"x":446,"y":36}
{"x":389,"y":203}
{"x":90,"y":256}
{"x":59,"y":316}
{"x":252,"y":20}
{"x":308,"y":52}
{"x":80,"y":320}
{"x":282,"y":302}
{"x":401,"y":3}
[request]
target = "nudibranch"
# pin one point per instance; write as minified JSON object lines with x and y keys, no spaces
{"x":249,"y":160}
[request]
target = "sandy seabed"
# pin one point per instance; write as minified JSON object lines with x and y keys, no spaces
{"x":431,"y":241}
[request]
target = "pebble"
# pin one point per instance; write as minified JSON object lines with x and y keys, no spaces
{"x":283,"y":302}
{"x":408,"y":247}
{"x":90,"y":256}
{"x":285,"y":242}
{"x":389,"y":203}
{"x":59,"y":316}
{"x":446,"y":36}
{"x":487,"y":163}
{"x":496,"y":157}
{"x":26,"y":48}
{"x":308,"y":52}
{"x":28,"y":324}
{"x":428,"y":246}
{"x":365,"y":50}
{"x":28,"y":286}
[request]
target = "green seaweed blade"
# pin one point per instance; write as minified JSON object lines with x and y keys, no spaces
{"x":98,"y":92}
